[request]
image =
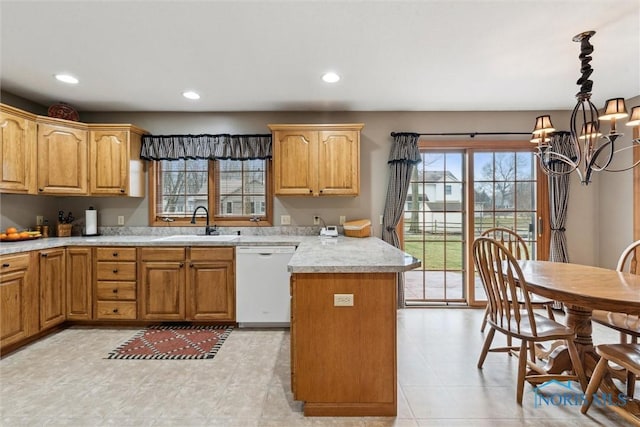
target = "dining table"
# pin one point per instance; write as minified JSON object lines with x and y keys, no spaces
{"x":582,"y":289}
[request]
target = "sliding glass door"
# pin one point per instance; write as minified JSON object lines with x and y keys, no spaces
{"x":453,"y":197}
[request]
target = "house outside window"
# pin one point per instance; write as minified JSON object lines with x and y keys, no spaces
{"x":233,"y":191}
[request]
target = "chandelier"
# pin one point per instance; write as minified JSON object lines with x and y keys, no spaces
{"x":589,"y":149}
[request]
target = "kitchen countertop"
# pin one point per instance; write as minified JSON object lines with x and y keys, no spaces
{"x":315,"y":254}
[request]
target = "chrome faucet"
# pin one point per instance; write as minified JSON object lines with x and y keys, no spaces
{"x":207,"y":229}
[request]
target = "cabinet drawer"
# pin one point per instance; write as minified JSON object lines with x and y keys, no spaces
{"x":116,"y":271}
{"x":116,"y":291}
{"x":116,"y":310}
{"x":162,"y":254}
{"x":116,"y":254}
{"x":212,"y":254}
{"x":13,"y":262}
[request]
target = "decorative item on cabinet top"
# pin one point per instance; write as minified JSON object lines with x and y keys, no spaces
{"x":64,"y":111}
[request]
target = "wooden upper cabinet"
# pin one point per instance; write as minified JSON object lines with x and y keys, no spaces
{"x":114,"y":158}
{"x":17,"y":151}
{"x":62,"y":157}
{"x":316,"y":160}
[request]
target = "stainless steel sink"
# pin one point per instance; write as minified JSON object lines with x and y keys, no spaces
{"x":196,"y":238}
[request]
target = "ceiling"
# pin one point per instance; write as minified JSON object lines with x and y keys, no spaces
{"x":269,"y":55}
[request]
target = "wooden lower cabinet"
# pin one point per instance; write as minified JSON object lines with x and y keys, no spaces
{"x":187,"y":284}
{"x":162,"y":283}
{"x":115,"y":292}
{"x":343,"y":358}
{"x":211,"y":284}
{"x":52,"y":287}
{"x":18,"y":298}
{"x":79,"y":279}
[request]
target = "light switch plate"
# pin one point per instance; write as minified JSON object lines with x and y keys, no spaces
{"x":120,"y":219}
{"x":285,"y":220}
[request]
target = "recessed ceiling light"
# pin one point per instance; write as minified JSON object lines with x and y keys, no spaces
{"x":66,"y":78}
{"x":330,"y":77}
{"x":190,"y":95}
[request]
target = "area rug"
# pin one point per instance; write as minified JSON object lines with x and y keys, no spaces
{"x":173,"y":342}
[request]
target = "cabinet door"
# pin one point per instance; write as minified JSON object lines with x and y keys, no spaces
{"x":162,"y":290}
{"x":211,"y":291}
{"x":62,"y":160}
{"x":339,"y":163}
{"x":18,"y":299}
{"x":17,"y":154}
{"x":109,"y":160}
{"x":52,"y":287}
{"x":79,"y":283}
{"x":295,"y":161}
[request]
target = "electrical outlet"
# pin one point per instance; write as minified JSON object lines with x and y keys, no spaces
{"x":285,"y":220}
{"x":381,"y":218}
{"x":342,"y":219}
{"x":343,"y":300}
{"x":120,"y":219}
{"x":39,"y":220}
{"x":316,"y":220}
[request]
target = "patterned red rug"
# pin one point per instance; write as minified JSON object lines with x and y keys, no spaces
{"x":173,"y":342}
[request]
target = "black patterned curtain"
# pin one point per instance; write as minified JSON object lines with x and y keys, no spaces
{"x":402,"y":159}
{"x":222,"y":146}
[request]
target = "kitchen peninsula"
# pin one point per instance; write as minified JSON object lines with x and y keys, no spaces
{"x":343,"y":312}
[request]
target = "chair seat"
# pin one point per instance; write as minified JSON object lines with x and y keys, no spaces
{"x":619,"y":321}
{"x":546,"y":328}
{"x":625,"y":355}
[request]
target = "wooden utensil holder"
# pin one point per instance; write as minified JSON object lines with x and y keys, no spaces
{"x":63,"y":230}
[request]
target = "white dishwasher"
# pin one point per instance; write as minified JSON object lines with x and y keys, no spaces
{"x":262,"y":285}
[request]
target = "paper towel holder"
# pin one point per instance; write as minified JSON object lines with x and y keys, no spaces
{"x":90,"y":216}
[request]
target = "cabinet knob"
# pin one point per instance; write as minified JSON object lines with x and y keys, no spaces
{"x":6,"y":265}
{"x":191,"y":265}
{"x":321,"y":191}
{"x":115,"y":254}
{"x":44,"y":255}
{"x":122,"y":190}
{"x":115,"y":271}
{"x":115,"y":310}
{"x":40,"y":189}
{"x":115,"y":291}
{"x":181,"y":265}
{"x":310,"y":190}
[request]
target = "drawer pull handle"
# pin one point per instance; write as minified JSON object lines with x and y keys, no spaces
{"x":115,"y":310}
{"x":44,"y":255}
{"x":115,"y":271}
{"x":6,"y":265}
{"x":115,"y":254}
{"x":115,"y":291}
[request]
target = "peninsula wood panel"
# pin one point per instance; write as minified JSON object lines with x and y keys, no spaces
{"x":79,"y":280}
{"x":17,"y":151}
{"x":62,"y":159}
{"x":344,"y":358}
{"x":18,"y":298}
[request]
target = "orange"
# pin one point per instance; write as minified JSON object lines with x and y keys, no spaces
{"x":13,"y":236}
{"x":24,"y":234}
{"x":3,"y":236}
{"x":11,"y":230}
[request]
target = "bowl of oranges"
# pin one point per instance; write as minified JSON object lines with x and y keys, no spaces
{"x":12,"y":234}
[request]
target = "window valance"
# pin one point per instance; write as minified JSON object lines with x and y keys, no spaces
{"x":205,"y":146}
{"x":405,"y":148}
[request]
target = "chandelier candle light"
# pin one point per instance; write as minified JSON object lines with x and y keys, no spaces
{"x":592,"y":151}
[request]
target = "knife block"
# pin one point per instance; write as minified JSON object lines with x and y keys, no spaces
{"x":63,"y":230}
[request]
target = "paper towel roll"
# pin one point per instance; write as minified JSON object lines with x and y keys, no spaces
{"x":91,"y":222}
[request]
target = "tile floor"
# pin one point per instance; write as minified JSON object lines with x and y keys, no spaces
{"x":64,"y":380}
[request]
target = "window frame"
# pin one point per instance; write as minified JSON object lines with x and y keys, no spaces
{"x":221,"y":221}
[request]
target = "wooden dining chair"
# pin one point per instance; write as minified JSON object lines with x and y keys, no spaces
{"x":502,"y":278}
{"x":627,"y":356}
{"x":518,"y":248}
{"x":627,"y":324}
